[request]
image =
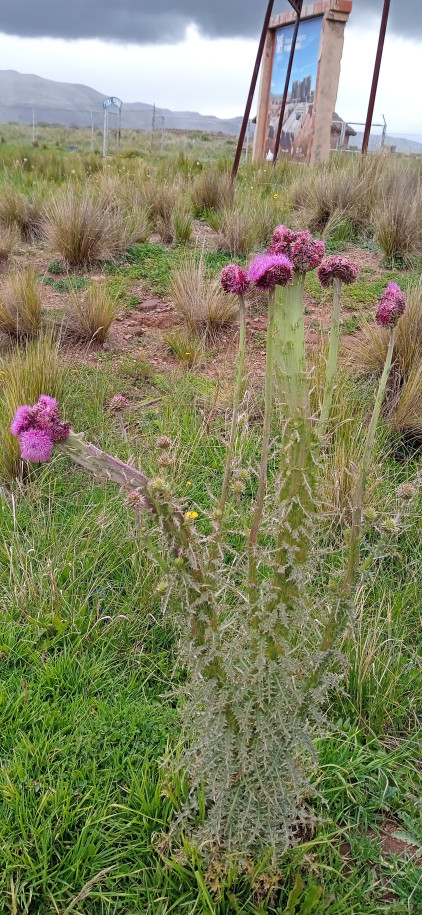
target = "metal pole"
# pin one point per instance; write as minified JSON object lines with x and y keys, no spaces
{"x":384,"y":133}
{"x":92,"y":130}
{"x":286,"y":84}
{"x":105,"y":133}
{"x":33,"y":126}
{"x":152,"y":126}
{"x":252,"y":90}
{"x":375,"y":78}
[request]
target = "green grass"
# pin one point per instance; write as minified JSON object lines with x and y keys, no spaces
{"x":87,"y":656}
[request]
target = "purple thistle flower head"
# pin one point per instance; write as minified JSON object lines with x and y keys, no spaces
{"x":269,"y":270}
{"x":38,"y":427}
{"x":307,"y":252}
{"x":282,"y":240}
{"x":22,"y":420}
{"x":234,"y":279}
{"x":36,"y":445}
{"x":337,"y":267}
{"x":391,"y":306}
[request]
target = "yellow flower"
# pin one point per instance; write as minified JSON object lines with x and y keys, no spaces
{"x":188,"y":483}
{"x":275,"y":196}
{"x":191,"y":516}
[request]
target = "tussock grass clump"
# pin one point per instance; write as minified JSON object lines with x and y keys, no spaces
{"x":162,"y":199}
{"x":187,"y":345}
{"x":20,"y":304}
{"x":345,"y":189}
{"x":397,"y":217}
{"x":246,"y":226}
{"x":198,"y":298}
{"x":365,"y":355}
{"x":26,"y":374}
{"x":82,"y":228}
{"x":9,"y":238}
{"x":182,"y":225}
{"x":211,"y":191}
{"x":91,"y":315}
{"x":20,"y":212}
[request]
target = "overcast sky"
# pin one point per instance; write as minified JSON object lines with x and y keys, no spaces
{"x":198,"y":54}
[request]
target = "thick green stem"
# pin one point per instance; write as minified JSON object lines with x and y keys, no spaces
{"x":266,"y":432}
{"x":332,"y":358}
{"x":236,"y":401}
{"x":356,"y":528}
{"x":297,"y":484}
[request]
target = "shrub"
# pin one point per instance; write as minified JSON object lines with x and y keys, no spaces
{"x":26,"y":374}
{"x":198,"y":298}
{"x":83,"y":229}
{"x":20,"y":304}
{"x":91,"y":315}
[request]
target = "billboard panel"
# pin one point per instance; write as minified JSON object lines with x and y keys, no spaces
{"x":298,"y":122}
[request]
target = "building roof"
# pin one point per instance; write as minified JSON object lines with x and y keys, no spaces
{"x":337,"y":125}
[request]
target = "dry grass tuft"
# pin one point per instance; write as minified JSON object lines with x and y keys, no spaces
{"x":187,"y":345}
{"x":82,"y":228}
{"x":20,"y":304}
{"x":9,"y":239}
{"x":20,"y":212}
{"x":397,"y":217}
{"x":347,"y":189}
{"x":92,"y":314}
{"x":211,"y":191}
{"x":198,"y":298}
{"x":246,"y":226}
{"x":26,"y":374}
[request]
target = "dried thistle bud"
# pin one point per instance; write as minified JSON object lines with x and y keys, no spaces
{"x":391,"y":525}
{"x":137,"y":501}
{"x":158,"y":486}
{"x":270,"y":270}
{"x":164,"y":460}
{"x":162,"y":442}
{"x":391,"y":307}
{"x":370,"y":515}
{"x":234,"y":279}
{"x":337,"y":267}
{"x":238,"y":486}
{"x":118,"y":402}
{"x":406,"y":491}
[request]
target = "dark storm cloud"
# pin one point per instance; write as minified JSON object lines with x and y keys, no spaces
{"x":157,"y":21}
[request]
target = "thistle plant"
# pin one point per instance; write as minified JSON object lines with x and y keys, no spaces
{"x":336,"y":272}
{"x":259,"y":661}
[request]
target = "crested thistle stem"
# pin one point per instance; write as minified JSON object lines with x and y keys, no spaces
{"x":240,"y":368}
{"x":338,"y":616}
{"x":332,"y":358}
{"x":265,"y":448}
{"x":358,"y":500}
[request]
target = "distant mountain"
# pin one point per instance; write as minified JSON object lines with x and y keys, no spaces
{"x":402,"y":144}
{"x":24,"y":96}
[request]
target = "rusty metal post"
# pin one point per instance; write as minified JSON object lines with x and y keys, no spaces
{"x":298,"y":9}
{"x":251,"y":90}
{"x":374,"y":86}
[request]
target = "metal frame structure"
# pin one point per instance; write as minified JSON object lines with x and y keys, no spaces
{"x":297,"y":7}
{"x":377,"y":68}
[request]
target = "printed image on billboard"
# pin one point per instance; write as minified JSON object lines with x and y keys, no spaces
{"x":299,"y":114}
